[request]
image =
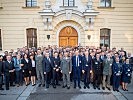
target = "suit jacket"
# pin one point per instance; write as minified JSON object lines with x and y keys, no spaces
{"x":87,"y":65}
{"x":7,"y":67}
{"x":127,"y":70}
{"x":117,"y":68}
{"x":66,"y":65}
{"x":97,"y":66}
{"x":47,"y":65}
{"x":1,"y":67}
{"x":26,"y":64}
{"x":74,"y":62}
{"x":56,"y":62}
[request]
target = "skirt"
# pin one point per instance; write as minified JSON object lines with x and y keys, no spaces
{"x":26,"y":73}
{"x":33,"y":71}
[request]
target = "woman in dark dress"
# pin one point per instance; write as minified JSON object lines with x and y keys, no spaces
{"x":25,"y":63}
{"x":126,"y":75}
{"x":33,"y":70}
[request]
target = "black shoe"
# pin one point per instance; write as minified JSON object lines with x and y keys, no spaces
{"x":39,"y":85}
{"x":79,"y":87}
{"x":43,"y":85}
{"x":88,"y":87}
{"x":47,"y":86}
{"x":1,"y":88}
{"x":108,"y":88}
{"x":68,"y":87}
{"x":117,"y":90}
{"x":84,"y":87}
{"x":94,"y":87}
{"x":103,"y":88}
{"x":98,"y":88}
{"x":7,"y":88}
{"x":74,"y":87}
{"x":12,"y":85}
{"x":114,"y":90}
{"x":54,"y":86}
{"x":63,"y":86}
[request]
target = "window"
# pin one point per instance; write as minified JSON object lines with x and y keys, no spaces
{"x":0,"y":41}
{"x":105,"y":37}
{"x":31,"y":3}
{"x":105,"y":3}
{"x":31,"y":37}
{"x":70,"y":3}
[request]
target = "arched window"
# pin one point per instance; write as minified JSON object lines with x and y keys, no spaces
{"x":31,"y":3}
{"x":105,"y":3}
{"x":31,"y":37}
{"x":0,"y":40}
{"x":69,"y":3}
{"x":105,"y":37}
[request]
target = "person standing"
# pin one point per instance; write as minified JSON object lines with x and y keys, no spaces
{"x":87,"y":69}
{"x":33,"y":70}
{"x":18,"y":70}
{"x":66,"y":69}
{"x":107,"y":71}
{"x":48,"y":64}
{"x":26,"y":68}
{"x":97,"y":69}
{"x":1,"y":72}
{"x":77,"y":68}
{"x":126,"y":74}
{"x":117,"y":71}
{"x":9,"y":72}
{"x":56,"y":69}
{"x":39,"y":68}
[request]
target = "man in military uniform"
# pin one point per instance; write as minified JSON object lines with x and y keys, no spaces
{"x":107,"y":71}
{"x":56,"y":66}
{"x":97,"y":69}
{"x":117,"y":71}
{"x":66,"y":69}
{"x":39,"y":68}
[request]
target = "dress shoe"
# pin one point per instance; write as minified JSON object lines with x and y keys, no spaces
{"x":63,"y":86}
{"x":68,"y":87}
{"x":117,"y":90}
{"x":103,"y":88}
{"x":88,"y":87}
{"x":7,"y":88}
{"x":74,"y":87}
{"x":79,"y":87}
{"x":98,"y":88}
{"x":94,"y":87}
{"x":1,"y":88}
{"x":84,"y":87}
{"x":114,"y":90}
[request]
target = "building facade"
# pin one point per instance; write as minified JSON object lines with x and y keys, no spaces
{"x":66,"y":23}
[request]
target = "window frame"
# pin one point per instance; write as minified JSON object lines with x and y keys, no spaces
{"x":30,"y":37}
{"x":106,"y":36}
{"x":105,"y":4}
{"x":31,"y":3}
{"x":0,"y":40}
{"x":68,"y":5}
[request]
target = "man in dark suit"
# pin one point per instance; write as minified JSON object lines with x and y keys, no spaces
{"x":48,"y":65}
{"x":1,"y":72}
{"x":9,"y":72}
{"x":87,"y":68}
{"x":77,"y":67}
{"x":56,"y":66}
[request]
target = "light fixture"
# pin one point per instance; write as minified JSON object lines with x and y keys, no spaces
{"x":88,"y":36}
{"x":48,"y":37}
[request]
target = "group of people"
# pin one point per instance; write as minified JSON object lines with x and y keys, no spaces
{"x":101,"y":67}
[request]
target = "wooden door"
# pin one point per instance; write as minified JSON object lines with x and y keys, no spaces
{"x":68,"y":37}
{"x":72,"y":41}
{"x":63,"y":41}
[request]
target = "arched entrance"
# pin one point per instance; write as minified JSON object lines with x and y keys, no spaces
{"x":68,"y":36}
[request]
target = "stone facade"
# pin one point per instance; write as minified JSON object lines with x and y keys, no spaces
{"x":15,"y":18}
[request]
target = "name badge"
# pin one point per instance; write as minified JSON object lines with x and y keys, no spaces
{"x":96,"y":63}
{"x":55,"y":65}
{"x":128,"y":70}
{"x":86,"y":65}
{"x":128,"y":74}
{"x":79,"y":61}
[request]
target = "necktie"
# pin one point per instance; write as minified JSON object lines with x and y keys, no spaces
{"x":77,"y":61}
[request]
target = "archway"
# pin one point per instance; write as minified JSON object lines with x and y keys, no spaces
{"x":68,"y":36}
